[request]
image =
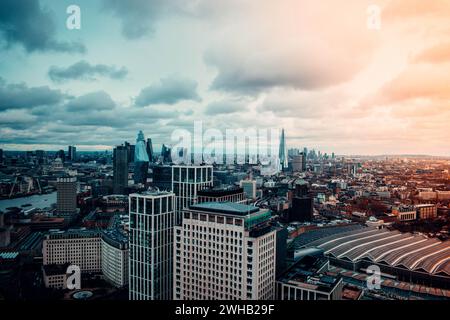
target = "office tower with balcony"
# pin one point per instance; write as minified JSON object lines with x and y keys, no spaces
{"x":72,"y":153}
{"x":141,"y":160}
{"x":66,"y":198}
{"x":187,"y":180}
{"x":120,"y":169}
{"x":152,"y":219}
{"x":224,"y":251}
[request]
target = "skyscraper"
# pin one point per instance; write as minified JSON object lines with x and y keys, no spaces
{"x":282,"y":154}
{"x":130,"y":148}
{"x":149,"y":147}
{"x":72,"y":153}
{"x":166,"y":156}
{"x":224,"y":251}
{"x":141,"y":159}
{"x":66,"y":198}
{"x":187,"y":180}
{"x":120,"y":169}
{"x":297,"y":162}
{"x":249,"y":187}
{"x":152,"y":219}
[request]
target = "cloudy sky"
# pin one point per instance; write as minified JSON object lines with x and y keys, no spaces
{"x":157,"y":65}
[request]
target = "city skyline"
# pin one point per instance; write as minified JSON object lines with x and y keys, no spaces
{"x":316,"y":70}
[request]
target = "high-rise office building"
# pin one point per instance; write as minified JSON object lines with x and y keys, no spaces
{"x":120,"y":169}
{"x":249,"y":187}
{"x":282,"y":153}
{"x":297,"y":163}
{"x":224,"y":251}
{"x":302,"y":203}
{"x":66,"y":198}
{"x":72,"y":153}
{"x":141,"y":159}
{"x":152,"y":219}
{"x":188,"y":180}
{"x":115,"y":257}
{"x":149,"y":147}
{"x":166,"y":156}
{"x":130,"y":148}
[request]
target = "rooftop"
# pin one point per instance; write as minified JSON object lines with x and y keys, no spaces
{"x":225,"y":208}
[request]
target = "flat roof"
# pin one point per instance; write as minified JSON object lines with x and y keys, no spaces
{"x":225,"y":208}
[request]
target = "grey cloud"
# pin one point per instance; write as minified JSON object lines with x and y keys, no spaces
{"x":30,"y":24}
{"x":91,"y":102}
{"x":83,"y":70}
{"x":225,"y":107}
{"x":17,"y":96}
{"x":168,"y":91}
{"x":137,"y":16}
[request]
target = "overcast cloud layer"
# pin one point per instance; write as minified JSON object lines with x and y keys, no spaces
{"x":315,"y":69}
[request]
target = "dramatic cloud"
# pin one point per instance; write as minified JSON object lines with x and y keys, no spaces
{"x":82,"y":70}
{"x":168,"y":91}
{"x":16,"y":96}
{"x":138,"y":16}
{"x":91,"y":102}
{"x":29,"y":24}
{"x":437,"y":54}
{"x":225,"y":107}
{"x":298,"y":49}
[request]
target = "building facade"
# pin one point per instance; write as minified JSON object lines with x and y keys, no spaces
{"x":120,"y":169}
{"x":224,"y":251}
{"x":152,"y":219}
{"x":78,"y":247}
{"x":115,"y":258}
{"x":66,"y":198}
{"x":187,"y":181}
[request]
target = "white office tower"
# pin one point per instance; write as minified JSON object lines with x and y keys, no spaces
{"x":152,"y":218}
{"x":115,"y":257}
{"x":224,"y":251}
{"x":187,"y":180}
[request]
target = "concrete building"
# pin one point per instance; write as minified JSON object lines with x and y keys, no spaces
{"x":426,"y":211}
{"x":224,"y":251}
{"x":152,"y":219}
{"x":249,"y":187}
{"x":55,"y":276}
{"x":115,"y":258}
{"x":78,"y":247}
{"x":307,"y":279}
{"x":66,"y":199}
